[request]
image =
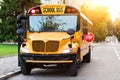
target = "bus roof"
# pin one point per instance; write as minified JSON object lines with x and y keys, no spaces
{"x":86,"y":18}
{"x":61,"y":9}
{"x":52,"y":9}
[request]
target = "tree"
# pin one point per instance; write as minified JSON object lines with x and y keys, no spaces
{"x":116,"y":28}
{"x":110,"y":28}
{"x":26,"y":4}
{"x":99,"y":15}
{"x":8,"y":12}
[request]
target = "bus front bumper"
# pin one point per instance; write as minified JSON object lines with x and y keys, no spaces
{"x":47,"y":59}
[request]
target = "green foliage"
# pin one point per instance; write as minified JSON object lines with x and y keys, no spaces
{"x":100,"y":32}
{"x":110,"y":28}
{"x":99,"y":15}
{"x":116,"y":28}
{"x":26,"y":4}
{"x":8,"y":13}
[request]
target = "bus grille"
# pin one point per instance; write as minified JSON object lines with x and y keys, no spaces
{"x":49,"y":46}
{"x":38,"y":46}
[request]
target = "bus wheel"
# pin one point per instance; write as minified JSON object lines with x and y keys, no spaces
{"x":87,"y":57}
{"x":25,"y":68}
{"x":74,"y":68}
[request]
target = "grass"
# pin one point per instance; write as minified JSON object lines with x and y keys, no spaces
{"x":8,"y":50}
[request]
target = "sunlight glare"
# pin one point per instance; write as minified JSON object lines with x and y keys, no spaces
{"x":113,"y":5}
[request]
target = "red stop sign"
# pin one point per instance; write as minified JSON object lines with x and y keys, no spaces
{"x":89,"y":37}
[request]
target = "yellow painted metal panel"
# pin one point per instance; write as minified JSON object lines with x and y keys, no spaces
{"x":40,"y":61}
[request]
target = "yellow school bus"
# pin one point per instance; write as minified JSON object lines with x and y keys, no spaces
{"x":52,"y":36}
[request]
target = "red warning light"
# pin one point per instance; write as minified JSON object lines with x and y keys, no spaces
{"x":33,"y":11}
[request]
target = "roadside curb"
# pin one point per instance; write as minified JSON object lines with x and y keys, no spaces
{"x":10,"y":74}
{"x":8,"y":56}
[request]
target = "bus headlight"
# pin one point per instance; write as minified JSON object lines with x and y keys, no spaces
{"x":70,"y":50}
{"x":24,"y":50}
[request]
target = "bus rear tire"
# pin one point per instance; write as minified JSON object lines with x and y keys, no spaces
{"x":87,"y":57}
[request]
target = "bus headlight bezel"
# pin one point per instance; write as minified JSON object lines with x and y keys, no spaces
{"x":70,"y":50}
{"x":24,"y":50}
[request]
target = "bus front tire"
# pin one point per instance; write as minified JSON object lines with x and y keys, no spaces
{"x":25,"y":68}
{"x":74,"y":69}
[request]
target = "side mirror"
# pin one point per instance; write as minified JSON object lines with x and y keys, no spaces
{"x":20,"y":31}
{"x":70,"y":31}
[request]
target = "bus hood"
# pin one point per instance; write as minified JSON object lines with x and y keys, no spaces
{"x":49,"y":36}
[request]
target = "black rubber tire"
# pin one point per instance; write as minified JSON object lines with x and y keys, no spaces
{"x":25,"y":68}
{"x":87,"y":57}
{"x":74,"y":68}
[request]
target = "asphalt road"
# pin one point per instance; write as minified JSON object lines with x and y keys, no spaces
{"x":105,"y":65}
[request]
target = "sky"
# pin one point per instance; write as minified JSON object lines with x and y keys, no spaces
{"x":113,"y":5}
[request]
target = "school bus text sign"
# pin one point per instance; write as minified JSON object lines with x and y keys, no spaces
{"x":53,"y":9}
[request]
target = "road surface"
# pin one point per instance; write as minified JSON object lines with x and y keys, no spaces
{"x":105,"y":65}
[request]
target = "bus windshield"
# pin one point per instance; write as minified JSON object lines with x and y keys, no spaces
{"x":52,"y":23}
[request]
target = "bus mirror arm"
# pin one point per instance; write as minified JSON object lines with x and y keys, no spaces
{"x":21,"y":17}
{"x":71,"y":37}
{"x":19,"y":25}
{"x":70,"y":32}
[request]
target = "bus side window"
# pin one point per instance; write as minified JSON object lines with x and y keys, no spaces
{"x":85,"y":30}
{"x":85,"y":27}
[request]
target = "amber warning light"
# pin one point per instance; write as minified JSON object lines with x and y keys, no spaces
{"x":70,"y":10}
